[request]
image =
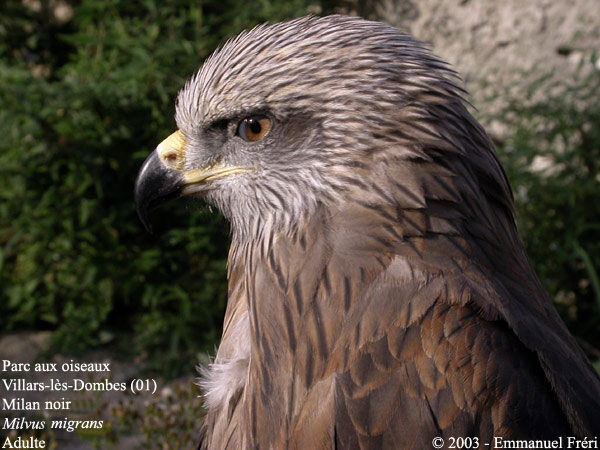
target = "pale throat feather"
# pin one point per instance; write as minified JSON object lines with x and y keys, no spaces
{"x":226,"y":376}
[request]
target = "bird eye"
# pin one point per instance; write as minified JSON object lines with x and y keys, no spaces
{"x":254,"y":128}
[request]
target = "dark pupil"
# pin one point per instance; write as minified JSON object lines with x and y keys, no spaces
{"x":255,"y":126}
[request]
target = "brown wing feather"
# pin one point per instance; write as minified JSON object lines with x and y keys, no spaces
{"x":431,"y":369}
{"x":390,"y":348}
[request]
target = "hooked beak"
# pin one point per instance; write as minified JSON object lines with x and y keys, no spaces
{"x":162,"y":178}
{"x":155,"y":185}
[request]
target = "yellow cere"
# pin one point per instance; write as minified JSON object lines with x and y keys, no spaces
{"x":172,"y":150}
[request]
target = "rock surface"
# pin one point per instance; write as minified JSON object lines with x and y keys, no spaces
{"x":501,"y":48}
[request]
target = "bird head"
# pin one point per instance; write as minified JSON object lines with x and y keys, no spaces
{"x":290,"y":116}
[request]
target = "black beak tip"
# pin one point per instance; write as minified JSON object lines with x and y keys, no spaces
{"x":143,"y":216}
{"x":142,"y":204}
{"x":155,"y":185}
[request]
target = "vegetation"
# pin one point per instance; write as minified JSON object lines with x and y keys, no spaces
{"x":83,"y":102}
{"x":553,"y":162}
{"x":86,"y":96}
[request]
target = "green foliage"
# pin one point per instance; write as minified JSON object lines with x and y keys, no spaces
{"x":172,"y":421}
{"x":84,"y":100}
{"x":81,"y":105}
{"x":553,"y":162}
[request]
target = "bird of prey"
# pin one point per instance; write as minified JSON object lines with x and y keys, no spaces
{"x":379,"y":296}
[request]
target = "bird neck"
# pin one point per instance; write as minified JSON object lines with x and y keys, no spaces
{"x":308,"y":289}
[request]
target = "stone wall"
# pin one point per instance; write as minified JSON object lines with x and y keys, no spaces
{"x":501,"y":47}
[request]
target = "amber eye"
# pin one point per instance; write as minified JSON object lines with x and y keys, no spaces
{"x":254,"y":128}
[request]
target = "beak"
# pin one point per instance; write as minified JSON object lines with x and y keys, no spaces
{"x":162,"y":177}
{"x":155,"y":185}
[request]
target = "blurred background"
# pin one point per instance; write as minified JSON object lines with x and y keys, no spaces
{"x":87,"y":90}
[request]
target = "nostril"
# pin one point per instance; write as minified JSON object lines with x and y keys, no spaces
{"x":170,"y":157}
